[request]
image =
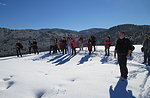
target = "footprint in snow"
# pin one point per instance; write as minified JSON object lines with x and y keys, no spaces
{"x":40,"y":94}
{"x":9,"y":84}
{"x":48,"y":94}
{"x":72,"y":80}
{"x":6,"y":83}
{"x":8,"y":78}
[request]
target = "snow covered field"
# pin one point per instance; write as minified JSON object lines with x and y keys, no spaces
{"x":80,"y":76}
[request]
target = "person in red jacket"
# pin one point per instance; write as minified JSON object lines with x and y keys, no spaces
{"x":74,"y":45}
{"x":89,"y":45}
{"x":107,"y":44}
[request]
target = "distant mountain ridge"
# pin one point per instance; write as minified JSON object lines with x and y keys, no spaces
{"x":8,"y":37}
{"x":137,"y":32}
{"x":92,"y":31}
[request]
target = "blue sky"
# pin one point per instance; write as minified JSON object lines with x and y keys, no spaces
{"x":72,"y":14}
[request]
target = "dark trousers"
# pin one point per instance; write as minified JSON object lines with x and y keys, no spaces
{"x":61,"y":48}
{"x":29,"y":50}
{"x":73,"y":51}
{"x":90,"y":52}
{"x":35,"y":49}
{"x":58,"y":49}
{"x":145,"y":55}
{"x":18,"y":52}
{"x":123,"y":65}
{"x":51,"y":49}
{"x":64,"y":50}
{"x":149,"y":58}
{"x":107,"y":51}
{"x":54,"y":49}
{"x":93,"y":44}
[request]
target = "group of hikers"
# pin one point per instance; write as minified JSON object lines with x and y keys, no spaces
{"x":66,"y":45}
{"x":31,"y":45}
{"x":123,"y":48}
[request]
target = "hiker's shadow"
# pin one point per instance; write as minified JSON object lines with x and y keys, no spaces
{"x":120,"y":90}
{"x":84,"y":59}
{"x":104,"y":59}
{"x":63,"y":61}
{"x":57,"y":57}
{"x":60,"y":59}
{"x":41,"y":57}
{"x":44,"y":56}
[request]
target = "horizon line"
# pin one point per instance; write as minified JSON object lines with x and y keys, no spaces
{"x":68,"y":28}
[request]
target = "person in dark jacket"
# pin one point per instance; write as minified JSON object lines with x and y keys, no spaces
{"x":93,"y":40}
{"x":56,"y":47}
{"x":29,"y":46}
{"x":145,"y":48}
{"x":107,"y":44}
{"x":35,"y":47}
{"x":19,"y":46}
{"x":64,"y":42}
{"x":123,"y":49}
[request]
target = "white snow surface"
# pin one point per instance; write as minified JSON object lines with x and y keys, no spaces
{"x":80,"y":76}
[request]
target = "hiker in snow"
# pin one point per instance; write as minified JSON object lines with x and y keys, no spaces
{"x":56,"y":46}
{"x":73,"y":45}
{"x":29,"y":46}
{"x":52,"y":46}
{"x":89,"y":46}
{"x":19,"y":46}
{"x":123,"y":49}
{"x":93,"y":41}
{"x":107,"y":44}
{"x":69,"y":45}
{"x":64,"y":43}
{"x":35,"y":47}
{"x":146,"y":49}
{"x":81,"y":42}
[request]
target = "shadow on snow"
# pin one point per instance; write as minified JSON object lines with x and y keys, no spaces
{"x":65,"y":60}
{"x":57,"y":57}
{"x":120,"y":90}
{"x":104,"y":59}
{"x":42,"y":57}
{"x":109,"y":60}
{"x":84,"y":59}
